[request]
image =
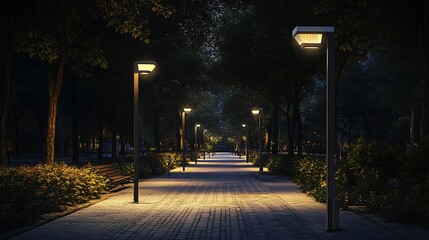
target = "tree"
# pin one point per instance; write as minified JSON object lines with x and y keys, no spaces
{"x":416,"y":17}
{"x":257,"y":51}
{"x":63,"y":22}
{"x":8,"y":29}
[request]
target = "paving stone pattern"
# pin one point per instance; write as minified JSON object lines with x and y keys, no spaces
{"x":219,"y":198}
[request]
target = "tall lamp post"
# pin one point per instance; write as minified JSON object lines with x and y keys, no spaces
{"x":204,"y":144}
{"x":258,"y":112}
{"x":140,"y":68}
{"x":311,"y":38}
{"x":185,"y":110}
{"x":196,"y":141}
{"x":247,"y":141}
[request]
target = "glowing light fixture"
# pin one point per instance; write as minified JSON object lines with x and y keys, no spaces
{"x":255,"y":111}
{"x":187,"y":109}
{"x":310,"y":37}
{"x":145,"y":67}
{"x":243,"y":125}
{"x":197,"y":125}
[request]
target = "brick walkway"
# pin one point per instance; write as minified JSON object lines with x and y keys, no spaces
{"x":219,"y":198}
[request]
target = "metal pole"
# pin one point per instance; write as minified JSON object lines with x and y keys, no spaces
{"x":204,"y":145}
{"x":261,"y":167}
{"x":183,"y":140}
{"x":136,"y":138}
{"x":247,"y":144}
{"x":196,"y":144}
{"x":331,"y":221}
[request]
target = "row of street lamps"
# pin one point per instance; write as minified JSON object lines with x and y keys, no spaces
{"x":308,"y":38}
{"x":257,"y":112}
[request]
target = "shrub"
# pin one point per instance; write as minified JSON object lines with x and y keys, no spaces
{"x":310,"y":174}
{"x":415,"y":169}
{"x":30,"y":191}
{"x":151,"y":164}
{"x":361,"y":178}
{"x":377,"y":175}
{"x":279,"y":164}
{"x":253,"y":157}
{"x":191,"y":156}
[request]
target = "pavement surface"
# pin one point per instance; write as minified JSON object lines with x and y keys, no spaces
{"x":221,"y":197}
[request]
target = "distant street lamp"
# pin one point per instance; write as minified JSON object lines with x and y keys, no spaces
{"x":204,"y":144}
{"x":258,"y":112}
{"x":140,"y":68}
{"x":185,"y":110}
{"x":247,"y":141}
{"x":196,"y":141}
{"x":311,"y":37}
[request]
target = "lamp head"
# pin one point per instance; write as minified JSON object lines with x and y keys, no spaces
{"x":197,"y":125}
{"x":243,"y":125}
{"x":256,"y":111}
{"x":187,"y":109}
{"x":310,"y":37}
{"x":144,"y":66}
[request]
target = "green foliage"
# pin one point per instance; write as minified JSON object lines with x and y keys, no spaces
{"x":131,"y":17}
{"x":408,"y":199}
{"x":310,"y":174}
{"x":280,"y":164}
{"x":362,"y":175}
{"x":152,"y":164}
{"x":376,"y":175}
{"x":253,"y":157}
{"x":39,"y":45}
{"x":191,"y":156}
{"x":30,"y":191}
{"x":416,"y":165}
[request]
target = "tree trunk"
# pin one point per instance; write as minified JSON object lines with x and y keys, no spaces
{"x":156,"y":130}
{"x":291,"y":132}
{"x":412,"y":133}
{"x":40,"y":134}
{"x":178,"y":131}
{"x":425,"y":111}
{"x":17,"y":140}
{"x":5,"y":101}
{"x":114,"y":144}
{"x":54,"y":89}
{"x":7,"y":31}
{"x":350,"y":133}
{"x":19,"y":114}
{"x":422,"y":24}
{"x":275,"y":130}
{"x":75,"y":127}
{"x":100,"y":134}
{"x":296,"y":115}
{"x":122,"y":153}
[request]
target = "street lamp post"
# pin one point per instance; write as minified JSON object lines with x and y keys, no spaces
{"x":185,"y":110}
{"x":247,"y":141}
{"x":311,"y":37}
{"x":204,"y":144}
{"x":258,"y":112}
{"x":140,"y":68}
{"x":196,"y":141}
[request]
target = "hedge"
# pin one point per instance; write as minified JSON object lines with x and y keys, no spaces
{"x":386,"y":179}
{"x":28,"y":192}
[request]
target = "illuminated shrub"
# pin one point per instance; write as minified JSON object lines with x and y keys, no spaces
{"x":30,"y":191}
{"x":152,"y":164}
{"x":310,"y":175}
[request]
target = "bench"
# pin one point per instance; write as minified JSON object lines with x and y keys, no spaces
{"x":111,"y":172}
